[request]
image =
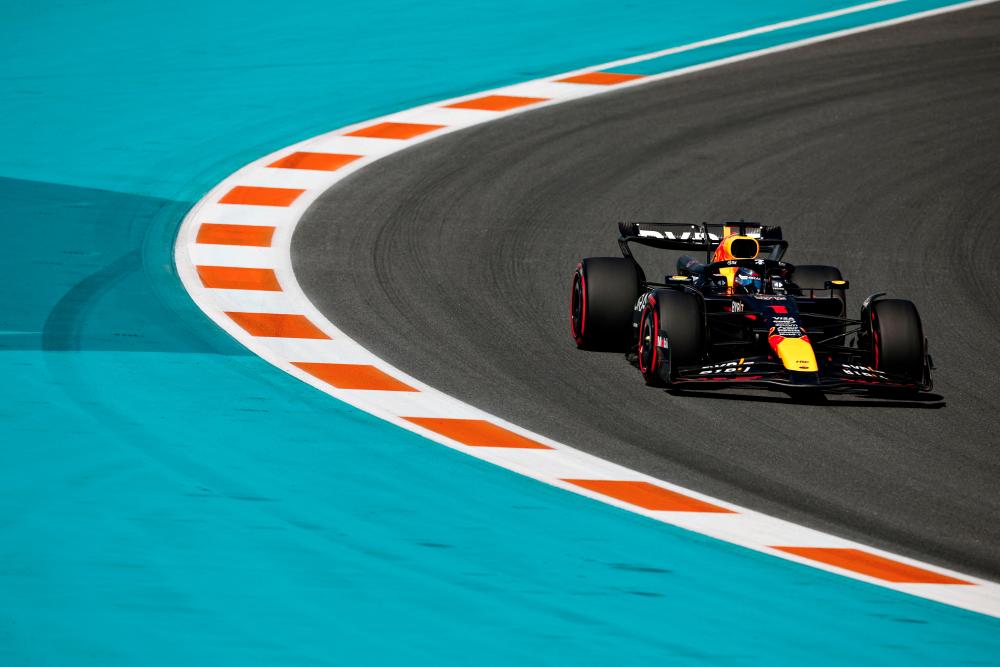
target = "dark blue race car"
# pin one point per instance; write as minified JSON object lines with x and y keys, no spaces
{"x":743,"y":316}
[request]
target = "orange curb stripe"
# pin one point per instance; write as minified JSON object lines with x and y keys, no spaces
{"x":497,"y":102}
{"x":230,"y":277}
{"x":314,"y":161}
{"x":247,"y":235}
{"x":274,"y":325}
{"x":353,"y":376}
{"x":476,"y":432}
{"x":394,"y":130}
{"x":600,"y":78}
{"x":872,"y":565}
{"x":648,"y":495}
{"x":251,"y":195}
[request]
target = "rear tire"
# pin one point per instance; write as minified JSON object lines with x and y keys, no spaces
{"x":814,"y":277}
{"x":604,"y":293}
{"x":897,"y":339}
{"x":679,"y":318}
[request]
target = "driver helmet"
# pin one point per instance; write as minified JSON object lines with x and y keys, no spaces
{"x":749,"y":280}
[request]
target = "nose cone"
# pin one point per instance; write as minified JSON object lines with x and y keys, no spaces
{"x":796,"y":354}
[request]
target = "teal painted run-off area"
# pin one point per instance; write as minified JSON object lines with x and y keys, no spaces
{"x":168,"y":499}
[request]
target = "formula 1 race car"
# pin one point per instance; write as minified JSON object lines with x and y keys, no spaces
{"x":744,"y":316}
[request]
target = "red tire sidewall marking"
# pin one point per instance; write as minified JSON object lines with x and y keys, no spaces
{"x":649,"y":311}
{"x":642,"y":334}
{"x":653,"y":366}
{"x":875,"y":340}
{"x":578,"y":335}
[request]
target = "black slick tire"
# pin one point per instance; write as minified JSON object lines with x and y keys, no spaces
{"x":603,"y":296}
{"x":897,"y":339}
{"x":813,"y":277}
{"x":678,"y":318}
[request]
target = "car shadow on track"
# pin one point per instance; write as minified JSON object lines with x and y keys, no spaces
{"x":921,"y":401}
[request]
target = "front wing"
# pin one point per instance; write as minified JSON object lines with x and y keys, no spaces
{"x":832,"y":377}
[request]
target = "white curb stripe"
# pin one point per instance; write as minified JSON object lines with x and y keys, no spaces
{"x":552,"y":463}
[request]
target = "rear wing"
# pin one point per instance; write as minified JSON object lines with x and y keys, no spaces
{"x":667,"y":235}
{"x":691,"y":237}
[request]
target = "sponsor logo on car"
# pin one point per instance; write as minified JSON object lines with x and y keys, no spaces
{"x":787,"y":327}
{"x":684,"y":236}
{"x":863,"y":371}
{"x":641,"y":303}
{"x":728,"y":367}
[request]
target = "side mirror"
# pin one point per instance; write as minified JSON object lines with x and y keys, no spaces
{"x":836,"y":284}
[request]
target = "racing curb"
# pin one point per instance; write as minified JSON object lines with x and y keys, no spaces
{"x":233,"y":256}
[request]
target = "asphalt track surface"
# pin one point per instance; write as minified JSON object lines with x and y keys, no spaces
{"x":879,"y":153}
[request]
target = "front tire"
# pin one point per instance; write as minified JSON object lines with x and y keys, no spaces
{"x":677,"y":319}
{"x":897,"y":339}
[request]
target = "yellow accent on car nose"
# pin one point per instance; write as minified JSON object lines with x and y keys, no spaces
{"x":797,"y":355}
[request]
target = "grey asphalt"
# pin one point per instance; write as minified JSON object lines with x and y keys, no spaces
{"x":878,"y":153}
